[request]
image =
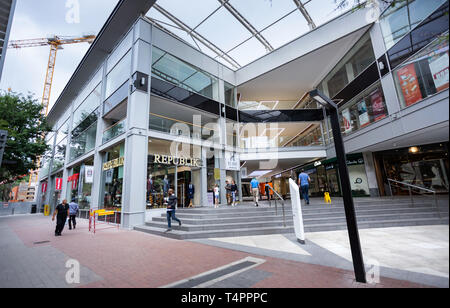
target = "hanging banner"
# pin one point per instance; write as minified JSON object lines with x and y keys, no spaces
{"x":89,"y":174}
{"x":377,"y":101}
{"x":74,"y":180}
{"x":58,"y":182}
{"x":363,"y":114}
{"x":407,"y":78}
{"x":439,"y":69}
{"x":232,"y":161}
{"x":44,"y":187}
{"x":346,"y":117}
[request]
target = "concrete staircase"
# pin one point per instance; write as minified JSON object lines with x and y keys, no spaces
{"x":246,"y":219}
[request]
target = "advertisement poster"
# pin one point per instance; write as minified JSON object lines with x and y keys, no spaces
{"x":89,"y":174}
{"x":109,"y":176}
{"x":407,"y":78}
{"x":378,"y":110}
{"x":363,"y":114}
{"x":346,"y":118}
{"x":232,"y":161}
{"x":439,"y":70}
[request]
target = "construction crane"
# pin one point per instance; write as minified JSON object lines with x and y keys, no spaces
{"x":55,"y":43}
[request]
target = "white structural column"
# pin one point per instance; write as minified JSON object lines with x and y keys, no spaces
{"x":371,"y":174}
{"x":204,"y":179}
{"x":136,"y":142}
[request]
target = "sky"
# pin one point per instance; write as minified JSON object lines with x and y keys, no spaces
{"x":24,"y":70}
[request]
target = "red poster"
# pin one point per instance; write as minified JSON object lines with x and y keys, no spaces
{"x":377,"y":101}
{"x":59,"y":182}
{"x":44,"y":187}
{"x":74,"y":179}
{"x":410,"y":86}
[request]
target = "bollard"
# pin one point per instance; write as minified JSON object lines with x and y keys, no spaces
{"x":327,"y":197}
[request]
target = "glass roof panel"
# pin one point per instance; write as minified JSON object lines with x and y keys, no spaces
{"x":192,"y":13}
{"x":286,"y":29}
{"x":322,"y":11}
{"x":247,"y":52}
{"x":261,"y":13}
{"x":223,"y":30}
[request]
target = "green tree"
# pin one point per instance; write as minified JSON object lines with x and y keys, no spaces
{"x":21,"y":116}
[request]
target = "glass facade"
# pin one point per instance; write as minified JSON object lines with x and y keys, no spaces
{"x":402,"y":16}
{"x":363,"y":110}
{"x":425,"y":166}
{"x":83,"y":142}
{"x":425,"y":74}
{"x":230,"y":95}
{"x":118,"y":75}
{"x":114,"y":130}
{"x":89,"y":105}
{"x":113,"y":178}
{"x":354,"y":63}
{"x":184,"y":75}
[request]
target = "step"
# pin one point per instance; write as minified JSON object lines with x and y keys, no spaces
{"x":273,"y":223}
{"x":329,"y":211}
{"x":245,"y":208}
{"x":179,"y":234}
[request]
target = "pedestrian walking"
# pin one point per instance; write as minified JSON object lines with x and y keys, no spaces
{"x":61,"y":212}
{"x":228,"y":190}
{"x":171,"y":206}
{"x":233,"y":189}
{"x":216,"y":196}
{"x":73,"y":211}
{"x":303,"y":182}
{"x":255,"y":190}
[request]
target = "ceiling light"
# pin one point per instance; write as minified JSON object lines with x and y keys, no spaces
{"x":413,"y":150}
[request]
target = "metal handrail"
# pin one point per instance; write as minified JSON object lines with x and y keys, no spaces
{"x":410,"y":187}
{"x":282,"y":203}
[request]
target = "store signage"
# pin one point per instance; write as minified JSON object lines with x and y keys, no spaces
{"x":109,"y":176}
{"x":89,"y":174}
{"x":59,"y":182}
{"x":178,"y":161}
{"x":113,"y":163}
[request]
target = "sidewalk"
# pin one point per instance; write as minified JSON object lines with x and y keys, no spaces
{"x":31,"y":256}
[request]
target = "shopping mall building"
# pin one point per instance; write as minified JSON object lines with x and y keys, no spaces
{"x":146,"y":110}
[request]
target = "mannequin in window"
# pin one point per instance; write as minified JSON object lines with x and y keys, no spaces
{"x":166,"y":185}
{"x":191,"y":192}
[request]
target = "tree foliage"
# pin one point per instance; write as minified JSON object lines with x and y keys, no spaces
{"x":21,"y":117}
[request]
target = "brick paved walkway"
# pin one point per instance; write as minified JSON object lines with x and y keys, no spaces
{"x":122,"y":258}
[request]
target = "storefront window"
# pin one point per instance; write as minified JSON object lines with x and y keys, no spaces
{"x":113,"y":177}
{"x":174,"y":166}
{"x":79,"y":184}
{"x":364,"y":109}
{"x":425,"y":74}
{"x":425,"y":166}
{"x":402,"y":16}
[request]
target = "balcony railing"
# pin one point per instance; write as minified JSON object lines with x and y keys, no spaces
{"x":115,"y":130}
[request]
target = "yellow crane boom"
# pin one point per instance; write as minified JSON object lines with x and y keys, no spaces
{"x":55,"y":44}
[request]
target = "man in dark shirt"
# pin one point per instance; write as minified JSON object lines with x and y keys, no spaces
{"x":61,"y":212}
{"x":171,"y":205}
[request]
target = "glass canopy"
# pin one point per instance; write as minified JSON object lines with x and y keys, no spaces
{"x":237,"y":32}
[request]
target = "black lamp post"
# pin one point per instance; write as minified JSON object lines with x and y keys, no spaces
{"x":352,"y":227}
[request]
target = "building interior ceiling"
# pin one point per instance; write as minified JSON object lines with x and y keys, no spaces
{"x":237,"y":32}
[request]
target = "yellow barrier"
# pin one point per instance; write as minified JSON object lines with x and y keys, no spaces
{"x":46,"y":210}
{"x":327,"y":197}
